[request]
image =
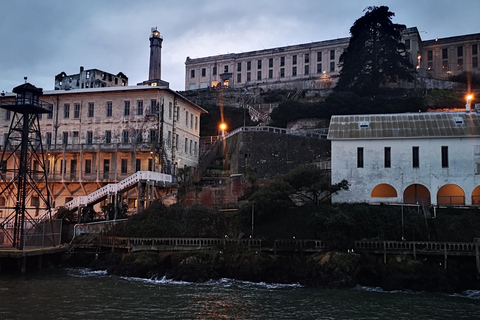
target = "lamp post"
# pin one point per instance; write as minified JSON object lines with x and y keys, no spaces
{"x":222,"y":127}
{"x":469,"y":100}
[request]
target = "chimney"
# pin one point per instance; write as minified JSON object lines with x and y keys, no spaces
{"x":81,"y":69}
{"x":155,"y":70}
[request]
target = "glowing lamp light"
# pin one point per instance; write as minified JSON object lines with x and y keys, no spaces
{"x":223,"y":126}
{"x":469,"y":98}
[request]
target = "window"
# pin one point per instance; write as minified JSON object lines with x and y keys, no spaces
{"x":259,"y":64}
{"x":459,"y":51}
{"x":138,"y":165}
{"x":429,"y":55}
{"x":153,"y":106}
{"x":108,"y":136}
{"x":139,"y":107}
{"x":191,"y":143}
{"x":474,"y":49}
{"x":126,"y":108}
{"x":445,"y":53}
{"x":196,"y":123}
{"x":89,"y":137}
{"x":35,"y":202}
{"x":270,"y":74}
{"x":282,"y":61}
{"x":388,"y":157}
{"x":150,"y":165}
{"x":76,"y":110}
{"x":249,"y":76}
{"x":125,"y":136}
{"x":294,"y":71}
{"x":319,"y":68}
{"x":176,"y":141}
{"x":8,"y":115}
{"x":204,"y":72}
{"x":459,"y":64}
{"x":359,"y":157}
{"x":445,"y":65}
{"x":138,"y":135}
{"x":191,"y":120}
{"x":48,"y":139}
{"x":192,"y":73}
{"x":239,"y":78}
{"x":66,"y":110}
{"x":91,"y":109}
{"x":88,"y":166}
{"x":332,"y":66}
{"x":294,"y":59}
{"x":249,"y":65}
{"x":407,"y":44}
{"x":65,"y":138}
{"x":444,"y":157}
{"x":307,"y":69}
{"x":332,"y":54}
{"x":124,"y":164}
{"x":239,"y":66}
{"x":109,"y":108}
{"x":75,"y":137}
{"x":214,"y":70}
{"x":169,"y":139}
{"x":307,"y":57}
{"x":282,"y":72}
{"x":170,"y":110}
{"x":178,"y":113}
{"x":49,"y":115}
{"x":225,"y":69}
{"x":319,"y":56}
{"x":270,"y":63}
{"x":415,"y":157}
{"x":475,"y":62}
{"x":429,"y":65}
{"x":195,"y":148}
{"x":259,"y":75}
{"x":186,"y":145}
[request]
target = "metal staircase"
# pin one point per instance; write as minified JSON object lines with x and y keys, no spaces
{"x":110,"y":189}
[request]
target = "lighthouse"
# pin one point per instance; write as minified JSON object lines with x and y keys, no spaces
{"x":155,"y":70}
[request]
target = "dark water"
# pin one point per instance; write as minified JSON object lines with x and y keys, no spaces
{"x":81,"y":294}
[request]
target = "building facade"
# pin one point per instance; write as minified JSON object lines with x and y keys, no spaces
{"x":316,"y":65}
{"x":98,"y":136}
{"x":424,"y":158}
{"x":91,"y":78}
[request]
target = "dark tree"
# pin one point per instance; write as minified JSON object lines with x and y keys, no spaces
{"x":375,"y":54}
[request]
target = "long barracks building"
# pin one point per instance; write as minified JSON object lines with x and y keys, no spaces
{"x":316,"y":65}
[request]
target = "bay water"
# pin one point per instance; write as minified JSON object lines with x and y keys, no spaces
{"x":84,"y":294}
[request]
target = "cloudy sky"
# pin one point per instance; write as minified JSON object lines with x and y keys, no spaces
{"x":40,"y":39}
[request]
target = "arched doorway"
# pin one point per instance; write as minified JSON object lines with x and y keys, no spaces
{"x":417,"y":194}
{"x":450,"y":195}
{"x":384,"y":191}
{"x":476,"y":196}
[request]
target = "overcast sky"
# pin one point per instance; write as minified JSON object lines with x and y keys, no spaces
{"x":40,"y":39}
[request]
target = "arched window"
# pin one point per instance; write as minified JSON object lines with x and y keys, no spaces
{"x":384,"y":191}
{"x":416,"y":194}
{"x":450,"y":195}
{"x":476,"y":196}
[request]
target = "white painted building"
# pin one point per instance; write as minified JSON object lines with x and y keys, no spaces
{"x":424,"y":158}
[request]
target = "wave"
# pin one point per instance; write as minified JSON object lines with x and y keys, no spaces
{"x":472,"y":294}
{"x":85,"y":272}
{"x":378,"y":289}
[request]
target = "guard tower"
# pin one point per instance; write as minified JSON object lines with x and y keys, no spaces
{"x":22,"y":166}
{"x":155,"y":69}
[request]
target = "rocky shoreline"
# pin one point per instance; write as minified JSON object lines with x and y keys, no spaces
{"x":333,"y":269}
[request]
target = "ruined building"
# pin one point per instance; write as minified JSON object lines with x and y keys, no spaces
{"x":92,"y":78}
{"x":101,"y":135}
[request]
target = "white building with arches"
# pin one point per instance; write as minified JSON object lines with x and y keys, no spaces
{"x":414,"y":158}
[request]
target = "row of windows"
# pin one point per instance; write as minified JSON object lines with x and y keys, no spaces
{"x":459,"y":52}
{"x":270,"y":64}
{"x":388,"y":157}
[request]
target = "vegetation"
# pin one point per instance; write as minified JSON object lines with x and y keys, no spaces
{"x":375,"y":55}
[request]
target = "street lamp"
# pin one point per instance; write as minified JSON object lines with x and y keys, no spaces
{"x":469,"y":100}
{"x":222,"y":127}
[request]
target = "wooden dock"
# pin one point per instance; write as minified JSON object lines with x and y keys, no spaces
{"x":10,"y":255}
